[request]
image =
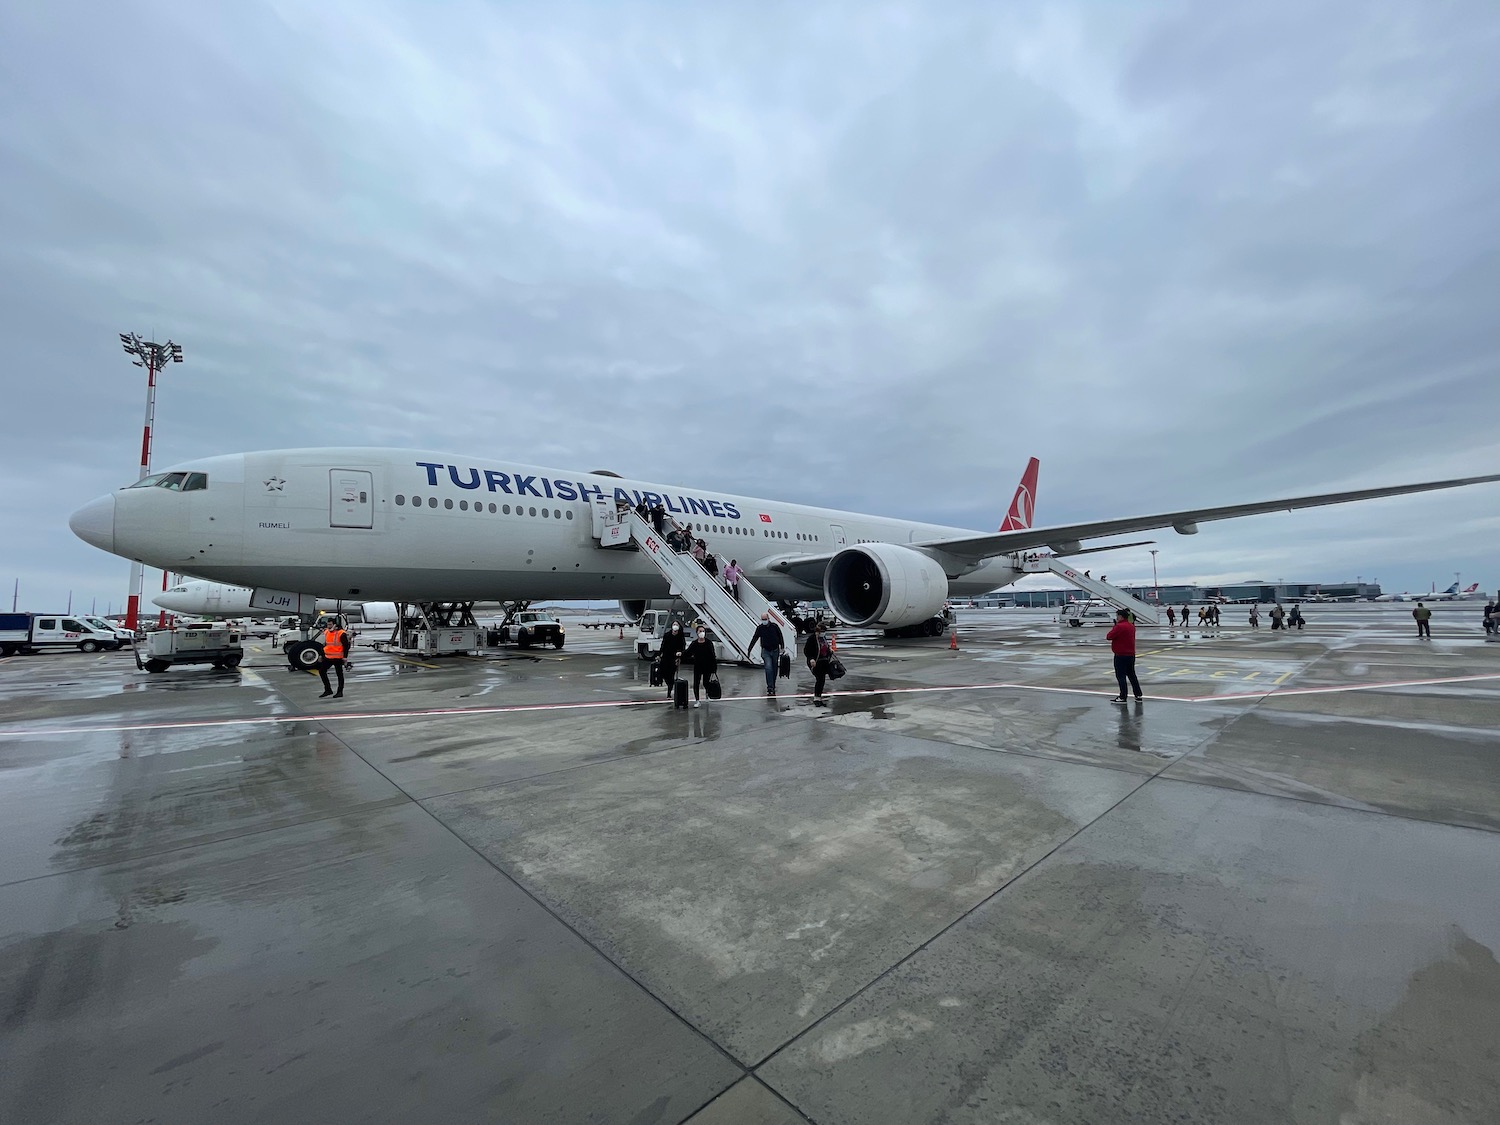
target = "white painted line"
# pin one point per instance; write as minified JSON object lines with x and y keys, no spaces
{"x":525,"y":708}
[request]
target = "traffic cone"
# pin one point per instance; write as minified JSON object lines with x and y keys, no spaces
{"x":953,"y":639}
{"x":622,"y":632}
{"x":833,"y":642}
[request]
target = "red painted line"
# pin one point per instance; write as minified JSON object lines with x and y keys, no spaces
{"x":525,"y":708}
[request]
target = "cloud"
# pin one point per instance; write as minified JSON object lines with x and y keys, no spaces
{"x":866,"y":257}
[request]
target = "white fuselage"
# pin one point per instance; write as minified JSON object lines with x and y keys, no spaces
{"x":408,"y":525}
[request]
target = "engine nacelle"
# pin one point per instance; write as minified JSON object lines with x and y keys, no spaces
{"x":884,"y":586}
{"x":378,"y":613}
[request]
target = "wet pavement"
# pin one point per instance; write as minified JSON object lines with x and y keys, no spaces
{"x":522,"y":888}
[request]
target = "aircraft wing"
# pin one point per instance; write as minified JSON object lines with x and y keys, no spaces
{"x":1064,"y":539}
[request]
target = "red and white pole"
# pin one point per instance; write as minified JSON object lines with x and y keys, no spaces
{"x":137,"y":571}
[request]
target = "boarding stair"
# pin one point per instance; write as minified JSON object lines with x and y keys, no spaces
{"x":1145,"y":613}
{"x":734,"y":620}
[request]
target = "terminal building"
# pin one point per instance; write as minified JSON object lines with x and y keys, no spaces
{"x":1268,"y":592}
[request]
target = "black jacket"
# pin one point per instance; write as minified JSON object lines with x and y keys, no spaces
{"x":769,"y":636}
{"x":810,"y":649}
{"x":701,"y":655}
{"x":672,"y":644}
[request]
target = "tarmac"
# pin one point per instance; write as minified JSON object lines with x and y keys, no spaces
{"x":520,"y":887}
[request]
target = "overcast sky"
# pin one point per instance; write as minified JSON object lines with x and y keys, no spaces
{"x":866,"y":256}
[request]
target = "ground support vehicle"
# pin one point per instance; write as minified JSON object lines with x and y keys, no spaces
{"x":209,"y":642}
{"x":533,"y":627}
{"x":30,"y":632}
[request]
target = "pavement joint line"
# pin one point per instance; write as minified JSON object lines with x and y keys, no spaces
{"x":583,"y":705}
{"x":552,"y":913}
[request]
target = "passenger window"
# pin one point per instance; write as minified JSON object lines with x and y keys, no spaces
{"x":400,"y":500}
{"x":545,"y":514}
{"x":570,"y":513}
{"x":533,"y":511}
{"x":72,"y":626}
{"x":492,"y":509}
{"x":432,"y":501}
{"x":506,"y":509}
{"x":47,"y":623}
{"x":448,"y":504}
{"x":463,"y":505}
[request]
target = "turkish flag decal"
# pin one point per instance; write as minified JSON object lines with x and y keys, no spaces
{"x":764,"y":518}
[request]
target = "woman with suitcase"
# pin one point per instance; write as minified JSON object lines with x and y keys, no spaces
{"x":700,"y":654}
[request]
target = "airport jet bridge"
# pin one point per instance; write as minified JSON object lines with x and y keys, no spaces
{"x":1145,"y":613}
{"x":735,"y":621}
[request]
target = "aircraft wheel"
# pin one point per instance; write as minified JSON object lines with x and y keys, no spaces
{"x":89,"y":646}
{"x":154,"y":665}
{"x":305,"y":655}
{"x":557,"y":641}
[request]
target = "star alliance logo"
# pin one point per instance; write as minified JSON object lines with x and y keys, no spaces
{"x":274,"y":484}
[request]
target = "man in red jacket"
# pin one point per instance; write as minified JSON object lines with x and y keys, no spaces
{"x":1122,"y":644}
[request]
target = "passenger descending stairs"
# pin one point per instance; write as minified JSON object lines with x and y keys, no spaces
{"x":734,"y":621}
{"x":1145,"y":613}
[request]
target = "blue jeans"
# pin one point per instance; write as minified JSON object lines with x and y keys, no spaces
{"x":771,"y":658}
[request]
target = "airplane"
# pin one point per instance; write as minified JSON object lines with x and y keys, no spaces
{"x":1451,"y":594}
{"x":414,"y":526}
{"x":216,"y":599}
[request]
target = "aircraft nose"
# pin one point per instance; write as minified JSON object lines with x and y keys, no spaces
{"x":94,"y":523}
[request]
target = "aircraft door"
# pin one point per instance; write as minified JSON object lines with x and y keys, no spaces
{"x":837,"y":531}
{"x":351,"y":498}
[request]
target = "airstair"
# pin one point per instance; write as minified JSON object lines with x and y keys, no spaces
{"x":1145,"y":613}
{"x":734,"y":620}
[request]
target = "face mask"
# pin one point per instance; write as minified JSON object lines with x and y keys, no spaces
{"x":676,"y":628}
{"x":702,"y":636}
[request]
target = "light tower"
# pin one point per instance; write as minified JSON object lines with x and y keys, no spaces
{"x":153,"y":357}
{"x":1155,"y":585}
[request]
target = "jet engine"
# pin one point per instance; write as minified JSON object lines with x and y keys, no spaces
{"x":633,"y":608}
{"x":885,"y":586}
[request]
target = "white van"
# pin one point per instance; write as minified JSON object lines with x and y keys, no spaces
{"x":62,"y":630}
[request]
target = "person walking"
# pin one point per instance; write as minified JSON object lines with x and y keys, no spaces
{"x":768,"y":636}
{"x":1423,"y":615}
{"x":1489,"y":617}
{"x":335,"y":649}
{"x":1295,"y":617}
{"x":658,"y":519}
{"x":732,"y":579}
{"x":700,"y":552}
{"x":1122,"y":643}
{"x":818,"y":651}
{"x":1255,"y":617}
{"x":673,"y":644}
{"x":705,"y":661}
{"x":1277,"y":615}
{"x":1171,"y":618}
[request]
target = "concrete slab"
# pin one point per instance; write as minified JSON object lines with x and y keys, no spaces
{"x":1197,"y":955}
{"x":366,"y":967}
{"x":758,"y":879}
{"x":747,"y":1102}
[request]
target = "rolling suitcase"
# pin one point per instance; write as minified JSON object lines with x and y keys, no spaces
{"x":715,"y":689}
{"x":786,"y":666}
{"x":656,"y":673}
{"x":679,"y":694}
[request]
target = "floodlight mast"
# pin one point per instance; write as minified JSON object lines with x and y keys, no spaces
{"x":153,"y":357}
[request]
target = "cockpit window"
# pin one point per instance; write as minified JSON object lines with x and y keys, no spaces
{"x":177,"y":482}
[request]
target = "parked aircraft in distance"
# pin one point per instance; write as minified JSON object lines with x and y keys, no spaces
{"x":216,"y":599}
{"x":1451,"y":594}
{"x":414,"y":526}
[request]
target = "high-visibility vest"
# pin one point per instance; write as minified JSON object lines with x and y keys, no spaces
{"x":333,"y":644}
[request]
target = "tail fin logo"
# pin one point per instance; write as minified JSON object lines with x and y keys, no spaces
{"x":1023,"y":504}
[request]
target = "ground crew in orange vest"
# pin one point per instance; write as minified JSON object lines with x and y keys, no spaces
{"x":335,"y":646}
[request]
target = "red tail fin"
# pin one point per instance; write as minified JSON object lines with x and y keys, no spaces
{"x":1023,"y":504}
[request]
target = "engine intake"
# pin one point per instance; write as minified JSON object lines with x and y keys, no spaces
{"x":885,"y":586}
